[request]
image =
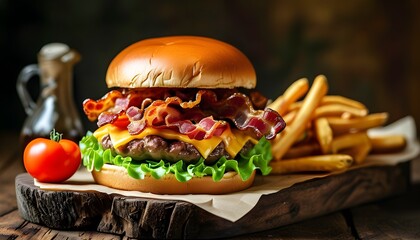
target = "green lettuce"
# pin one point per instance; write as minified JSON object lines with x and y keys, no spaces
{"x":94,"y":157}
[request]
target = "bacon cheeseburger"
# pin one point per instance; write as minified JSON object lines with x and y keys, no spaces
{"x":182,"y":118}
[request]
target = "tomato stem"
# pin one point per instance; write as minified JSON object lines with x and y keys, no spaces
{"x":55,"y":136}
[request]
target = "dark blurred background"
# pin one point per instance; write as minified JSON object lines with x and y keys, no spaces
{"x":369,"y":50}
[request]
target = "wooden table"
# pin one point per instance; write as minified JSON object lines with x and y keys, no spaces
{"x":391,"y":218}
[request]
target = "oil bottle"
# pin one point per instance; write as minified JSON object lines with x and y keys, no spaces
{"x":55,"y":107}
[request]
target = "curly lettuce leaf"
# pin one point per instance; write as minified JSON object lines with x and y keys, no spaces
{"x":94,"y":157}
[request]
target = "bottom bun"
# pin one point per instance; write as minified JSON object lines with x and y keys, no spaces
{"x":117,"y":177}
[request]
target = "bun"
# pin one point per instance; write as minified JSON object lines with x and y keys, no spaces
{"x":117,"y":177}
{"x":182,"y":62}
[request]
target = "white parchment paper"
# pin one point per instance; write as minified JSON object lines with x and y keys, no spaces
{"x":234,"y":206}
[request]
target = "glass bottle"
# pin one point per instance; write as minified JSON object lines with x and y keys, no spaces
{"x":55,"y":107}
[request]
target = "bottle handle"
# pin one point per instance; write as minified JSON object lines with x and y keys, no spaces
{"x":24,"y":76}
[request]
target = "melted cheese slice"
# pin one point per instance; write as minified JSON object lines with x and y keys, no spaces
{"x":234,"y":140}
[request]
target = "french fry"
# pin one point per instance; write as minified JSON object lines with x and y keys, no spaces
{"x":337,"y":109}
{"x":303,"y":150}
{"x":316,"y":92}
{"x":320,"y":163}
{"x":333,"y":99}
{"x":342,"y":125}
{"x":323,"y":134}
{"x":388,"y":144}
{"x":349,"y":140}
{"x":358,"y":152}
{"x":304,"y":137}
{"x":292,"y":94}
{"x":289,"y":117}
{"x":294,"y":106}
{"x":328,"y":127}
{"x":357,"y":145}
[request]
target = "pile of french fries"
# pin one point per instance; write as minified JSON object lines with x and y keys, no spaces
{"x":325,"y":132}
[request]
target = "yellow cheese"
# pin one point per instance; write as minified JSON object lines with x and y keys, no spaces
{"x":233,"y":140}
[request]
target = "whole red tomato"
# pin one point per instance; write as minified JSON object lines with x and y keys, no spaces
{"x":51,"y":160}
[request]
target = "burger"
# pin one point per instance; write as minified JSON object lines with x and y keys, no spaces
{"x":182,"y":117}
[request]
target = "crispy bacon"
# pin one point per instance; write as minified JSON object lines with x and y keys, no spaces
{"x":164,"y":114}
{"x":204,"y":129}
{"x":93,"y":108}
{"x":116,"y":101}
{"x":190,"y":112}
{"x":106,"y":117}
{"x":238,"y":108}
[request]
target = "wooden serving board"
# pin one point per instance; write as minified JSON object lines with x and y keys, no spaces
{"x":151,"y":218}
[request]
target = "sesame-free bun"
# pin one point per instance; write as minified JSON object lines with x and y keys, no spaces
{"x":181,"y":62}
{"x":117,"y":177}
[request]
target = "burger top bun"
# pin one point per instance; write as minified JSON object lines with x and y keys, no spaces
{"x":182,"y":62}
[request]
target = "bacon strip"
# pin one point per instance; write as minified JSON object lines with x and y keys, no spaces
{"x":189,"y":112}
{"x":93,"y":108}
{"x":164,"y":114}
{"x":238,"y":108}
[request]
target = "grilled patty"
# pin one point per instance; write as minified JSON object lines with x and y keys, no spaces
{"x":157,"y":148}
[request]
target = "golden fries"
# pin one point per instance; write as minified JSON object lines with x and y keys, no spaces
{"x":324,"y":163}
{"x":325,"y":132}
{"x":342,"y":125}
{"x":333,"y":99}
{"x":289,"y":117}
{"x":358,"y":152}
{"x":292,"y":94}
{"x":303,"y":150}
{"x":311,"y":101}
{"x":337,"y":109}
{"x":357,"y":145}
{"x":387,"y":144}
{"x":349,"y":140}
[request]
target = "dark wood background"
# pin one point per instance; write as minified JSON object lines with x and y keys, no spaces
{"x":368,"y":49}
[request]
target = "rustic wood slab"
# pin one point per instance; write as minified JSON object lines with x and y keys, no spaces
{"x":141,"y":217}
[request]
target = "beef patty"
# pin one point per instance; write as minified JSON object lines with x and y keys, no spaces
{"x":156,"y":148}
